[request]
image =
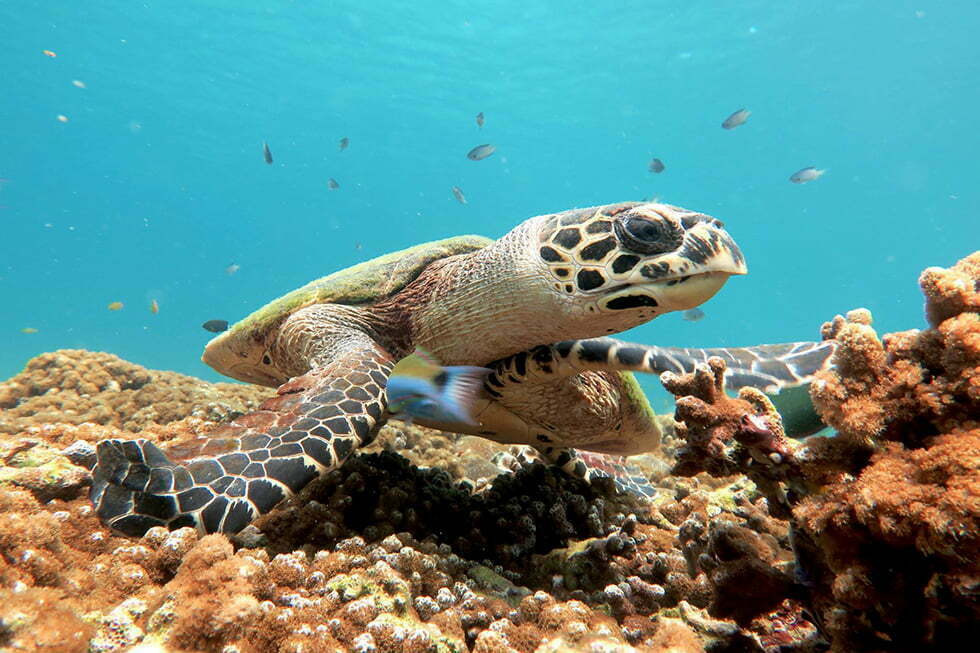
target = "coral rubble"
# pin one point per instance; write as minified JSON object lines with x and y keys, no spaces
{"x":863,"y":541}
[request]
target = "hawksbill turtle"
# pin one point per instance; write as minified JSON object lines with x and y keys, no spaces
{"x":534,"y":306}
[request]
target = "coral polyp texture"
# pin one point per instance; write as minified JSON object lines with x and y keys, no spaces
{"x":865,"y":538}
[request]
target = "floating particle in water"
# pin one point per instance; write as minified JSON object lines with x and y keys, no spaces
{"x":215,"y":326}
{"x":479,"y":119}
{"x":115,"y":306}
{"x":481,"y":152}
{"x":332,"y":184}
{"x":49,"y":53}
{"x":458,"y":194}
{"x":134,"y":126}
{"x":266,"y":153}
{"x":28,"y":330}
{"x":62,"y":118}
{"x":78,"y":83}
{"x":693,"y":315}
{"x":232,"y":269}
{"x":154,"y":306}
{"x":358,"y":246}
{"x":806,"y":174}
{"x":736,"y":119}
{"x":344,"y":142}
{"x":657,"y":166}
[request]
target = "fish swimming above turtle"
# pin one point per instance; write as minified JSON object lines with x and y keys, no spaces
{"x":533,"y":307}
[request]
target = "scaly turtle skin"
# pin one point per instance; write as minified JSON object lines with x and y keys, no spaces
{"x":532,"y":306}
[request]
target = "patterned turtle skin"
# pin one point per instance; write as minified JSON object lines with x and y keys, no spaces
{"x":534,"y":306}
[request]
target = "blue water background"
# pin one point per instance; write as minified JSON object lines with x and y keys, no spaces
{"x":157,"y":183}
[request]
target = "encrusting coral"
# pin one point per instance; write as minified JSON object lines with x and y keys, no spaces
{"x":74,"y":386}
{"x":420,"y":544}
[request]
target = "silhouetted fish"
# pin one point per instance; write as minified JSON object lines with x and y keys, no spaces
{"x":736,"y":119}
{"x":693,"y":315}
{"x":805,"y":175}
{"x":458,"y":194}
{"x":215,"y":326}
{"x":267,"y":153}
{"x":479,"y":119}
{"x":657,"y":166}
{"x":481,"y":152}
{"x":344,"y":142}
{"x":332,"y":184}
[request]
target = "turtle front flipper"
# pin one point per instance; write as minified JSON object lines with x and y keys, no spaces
{"x":250,"y":465}
{"x":782,"y":371}
{"x":769,"y":368}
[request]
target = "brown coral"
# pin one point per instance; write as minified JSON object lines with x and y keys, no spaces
{"x":76,"y":386}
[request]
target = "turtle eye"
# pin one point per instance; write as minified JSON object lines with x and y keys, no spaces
{"x":647,"y":236}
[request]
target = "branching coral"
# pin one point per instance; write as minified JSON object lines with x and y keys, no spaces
{"x":886,"y":513}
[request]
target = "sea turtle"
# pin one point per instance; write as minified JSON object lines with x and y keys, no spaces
{"x":532,"y":306}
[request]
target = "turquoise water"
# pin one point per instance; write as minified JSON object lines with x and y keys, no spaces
{"x":156,"y":183}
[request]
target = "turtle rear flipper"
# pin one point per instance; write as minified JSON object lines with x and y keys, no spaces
{"x":589,"y":465}
{"x":311,"y":427}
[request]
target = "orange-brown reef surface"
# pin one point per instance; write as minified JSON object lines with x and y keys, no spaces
{"x":867,"y":540}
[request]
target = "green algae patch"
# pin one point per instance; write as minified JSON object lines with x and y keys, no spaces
{"x":496,"y":585}
{"x":388,"y":595}
{"x":117,"y":630}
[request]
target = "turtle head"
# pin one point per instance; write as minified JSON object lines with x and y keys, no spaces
{"x":242,"y":353}
{"x":625,"y":264}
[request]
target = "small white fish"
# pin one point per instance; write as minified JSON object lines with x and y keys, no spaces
{"x":736,"y":119}
{"x":232,"y":269}
{"x":78,"y":83}
{"x":805,"y":175}
{"x":480,"y":152}
{"x":420,"y":388}
{"x":458,"y":194}
{"x":693,"y":315}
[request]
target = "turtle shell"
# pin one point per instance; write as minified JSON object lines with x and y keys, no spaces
{"x":364,"y":283}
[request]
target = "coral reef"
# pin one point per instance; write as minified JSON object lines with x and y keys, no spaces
{"x":863,"y":541}
{"x":74,"y":386}
{"x":884,"y":515}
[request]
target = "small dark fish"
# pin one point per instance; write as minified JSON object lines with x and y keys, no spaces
{"x":480,"y":152}
{"x":805,"y":175}
{"x":332,"y":184}
{"x":479,"y":119}
{"x":344,"y":142}
{"x":267,"y":153}
{"x":215,"y":326}
{"x":693,"y":315}
{"x":458,"y":194}
{"x":736,"y":119}
{"x":657,"y":166}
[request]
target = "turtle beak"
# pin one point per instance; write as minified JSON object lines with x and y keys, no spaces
{"x":696,"y":268}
